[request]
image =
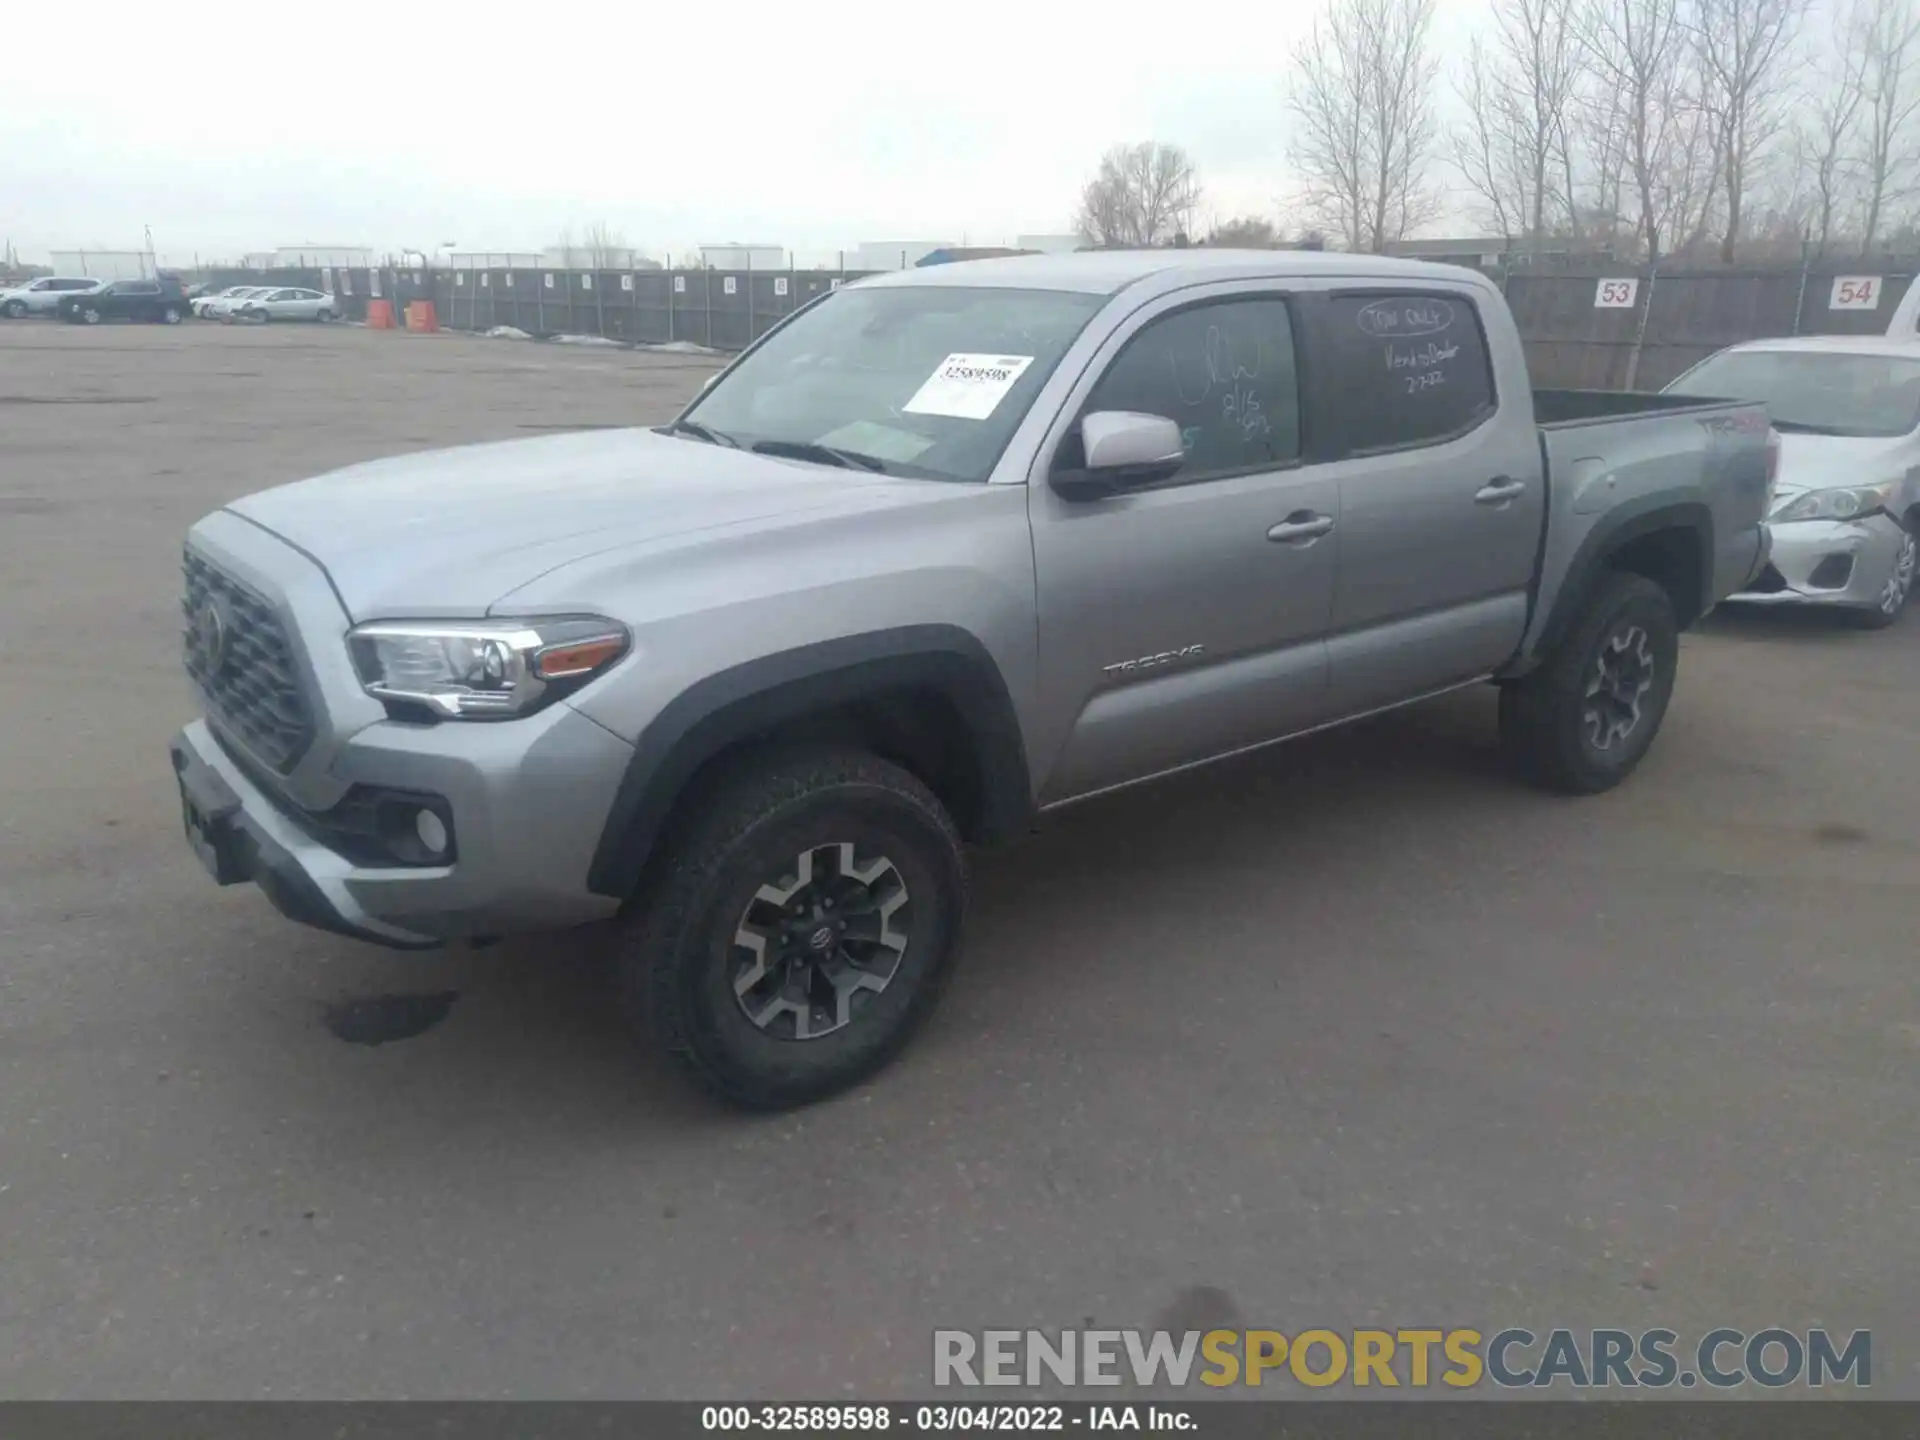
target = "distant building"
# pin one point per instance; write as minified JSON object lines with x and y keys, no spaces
{"x":585,"y":257}
{"x":321,"y":257}
{"x":1492,"y":251}
{"x":104,"y":264}
{"x":1049,"y":244}
{"x":743,"y":257}
{"x":496,"y":260}
{"x":895,"y":254}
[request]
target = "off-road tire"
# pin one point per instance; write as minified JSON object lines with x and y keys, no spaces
{"x":679,"y":960}
{"x":1544,"y":717}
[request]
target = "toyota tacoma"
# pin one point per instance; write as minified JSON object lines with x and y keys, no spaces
{"x":944,"y":550}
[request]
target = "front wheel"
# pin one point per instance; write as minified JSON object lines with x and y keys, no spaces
{"x":1584,"y":720}
{"x":170,"y":315}
{"x":14,"y":309}
{"x":1899,"y":587}
{"x":798,"y":927}
{"x":90,"y":315}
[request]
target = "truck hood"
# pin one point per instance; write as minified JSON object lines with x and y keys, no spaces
{"x":1822,"y":462}
{"x":450,"y":532}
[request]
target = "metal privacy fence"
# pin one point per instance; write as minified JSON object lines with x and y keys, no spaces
{"x":717,"y":309}
{"x":1627,"y":329}
{"x":1601,"y":329}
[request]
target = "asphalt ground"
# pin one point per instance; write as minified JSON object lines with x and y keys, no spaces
{"x":1356,"y":1031}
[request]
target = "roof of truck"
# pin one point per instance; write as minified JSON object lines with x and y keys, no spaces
{"x":1105,"y":272}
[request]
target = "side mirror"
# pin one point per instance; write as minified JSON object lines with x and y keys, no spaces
{"x":1124,"y":450}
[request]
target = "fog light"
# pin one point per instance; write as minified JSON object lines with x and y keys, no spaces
{"x":432,"y":831}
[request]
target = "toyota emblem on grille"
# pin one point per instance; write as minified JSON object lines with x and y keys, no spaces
{"x":214,"y":633}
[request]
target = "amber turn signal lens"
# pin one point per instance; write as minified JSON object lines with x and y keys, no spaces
{"x":577,"y":657}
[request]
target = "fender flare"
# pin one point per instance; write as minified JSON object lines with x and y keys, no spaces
{"x":735,"y":704}
{"x":1630,"y":522}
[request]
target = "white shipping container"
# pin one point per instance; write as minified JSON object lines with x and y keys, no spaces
{"x":103,"y":264}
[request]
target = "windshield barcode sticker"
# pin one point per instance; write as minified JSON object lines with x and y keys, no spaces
{"x":968,"y":387}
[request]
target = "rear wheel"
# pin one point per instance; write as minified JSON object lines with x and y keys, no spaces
{"x":1584,"y":720}
{"x":799,"y":927}
{"x":170,"y":315}
{"x":323,"y":316}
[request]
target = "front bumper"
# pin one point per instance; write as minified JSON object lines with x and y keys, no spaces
{"x":528,"y":799}
{"x":1827,"y":562}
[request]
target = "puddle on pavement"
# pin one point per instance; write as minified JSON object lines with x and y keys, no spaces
{"x":380,"y":1019}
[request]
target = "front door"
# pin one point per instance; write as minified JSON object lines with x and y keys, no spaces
{"x":1186,"y":620}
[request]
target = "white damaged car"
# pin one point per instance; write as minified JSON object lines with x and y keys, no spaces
{"x":1846,"y":508}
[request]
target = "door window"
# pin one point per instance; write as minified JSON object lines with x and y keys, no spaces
{"x":1412,"y":369}
{"x":1224,"y":373}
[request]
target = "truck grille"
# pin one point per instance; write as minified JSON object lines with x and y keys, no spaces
{"x":236,"y":650}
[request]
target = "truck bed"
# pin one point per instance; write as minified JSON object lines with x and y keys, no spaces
{"x":1610,"y":454}
{"x":1559,"y":408}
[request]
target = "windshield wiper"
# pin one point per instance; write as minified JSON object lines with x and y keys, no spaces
{"x":701,"y":432}
{"x":1801,"y":427}
{"x":825,"y":454}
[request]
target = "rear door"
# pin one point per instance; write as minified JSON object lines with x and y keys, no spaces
{"x":1185,"y":620}
{"x":1441,"y":494}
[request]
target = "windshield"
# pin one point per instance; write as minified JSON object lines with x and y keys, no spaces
{"x":925,"y":380}
{"x":1815,"y":392}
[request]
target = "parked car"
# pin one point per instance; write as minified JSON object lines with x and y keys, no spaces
{"x":42,"y":296}
{"x":202,"y":305}
{"x":284,"y":304}
{"x":1848,"y":498}
{"x":947,"y":548}
{"x":160,"y":300}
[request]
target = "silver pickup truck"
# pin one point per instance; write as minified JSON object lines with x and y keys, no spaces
{"x":947,"y":549}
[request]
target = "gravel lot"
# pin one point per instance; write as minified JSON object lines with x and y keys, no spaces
{"x":1354,"y":1032}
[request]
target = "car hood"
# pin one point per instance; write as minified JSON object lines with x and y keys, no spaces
{"x":1822,"y":462}
{"x":449,"y":532}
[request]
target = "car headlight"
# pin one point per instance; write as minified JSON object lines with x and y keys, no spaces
{"x":483,"y":669}
{"x":1847,"y":502}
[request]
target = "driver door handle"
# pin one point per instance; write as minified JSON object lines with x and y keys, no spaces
{"x":1301,"y":526}
{"x":1499,"y":490}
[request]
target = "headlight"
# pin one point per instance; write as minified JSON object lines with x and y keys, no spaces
{"x":483,"y":669}
{"x":1848,"y":502}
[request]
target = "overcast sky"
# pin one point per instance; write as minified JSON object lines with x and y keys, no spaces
{"x":496,"y":127}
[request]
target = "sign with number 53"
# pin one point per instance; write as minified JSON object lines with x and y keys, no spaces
{"x":1855,"y":292}
{"x":1615,"y":294}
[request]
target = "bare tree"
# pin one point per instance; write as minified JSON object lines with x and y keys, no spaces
{"x":1641,"y":54}
{"x":1885,"y":30}
{"x":607,"y":248}
{"x":1142,"y":195}
{"x":1742,"y":45}
{"x":1362,"y":99}
{"x":1518,"y":90}
{"x":1825,"y":139}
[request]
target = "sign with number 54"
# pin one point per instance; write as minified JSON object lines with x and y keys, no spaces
{"x":1615,"y":294}
{"x":1855,"y":292}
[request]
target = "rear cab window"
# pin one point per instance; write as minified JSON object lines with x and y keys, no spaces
{"x":1409,"y":368}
